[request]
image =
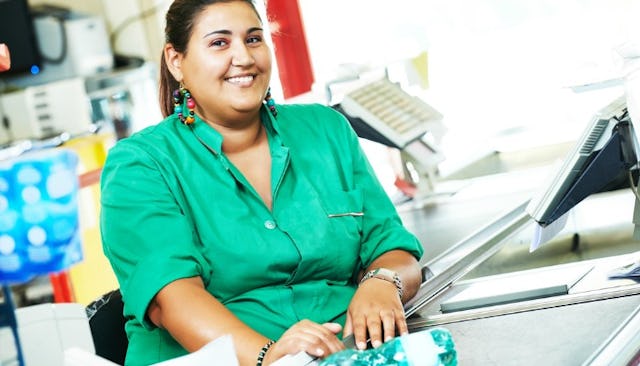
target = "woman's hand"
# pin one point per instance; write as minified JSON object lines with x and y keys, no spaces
{"x":376,"y":310}
{"x":318,"y":340}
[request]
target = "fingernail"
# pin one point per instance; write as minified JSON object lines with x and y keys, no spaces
{"x":388,"y":338}
{"x":376,"y":344}
{"x":319,"y":352}
{"x":361,"y":345}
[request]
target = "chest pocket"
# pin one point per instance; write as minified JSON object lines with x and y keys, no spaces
{"x":334,"y":217}
{"x":345,"y":211}
{"x":326,"y":229}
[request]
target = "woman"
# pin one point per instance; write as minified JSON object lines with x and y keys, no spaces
{"x":237,"y":216}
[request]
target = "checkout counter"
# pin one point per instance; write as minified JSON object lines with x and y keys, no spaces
{"x":506,"y":306}
{"x":503,"y":304}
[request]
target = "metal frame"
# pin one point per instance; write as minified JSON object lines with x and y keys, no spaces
{"x":453,"y":264}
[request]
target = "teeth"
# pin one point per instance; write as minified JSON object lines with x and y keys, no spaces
{"x":240,"y":79}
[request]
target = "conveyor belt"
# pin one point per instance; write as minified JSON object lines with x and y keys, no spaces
{"x":570,"y":329}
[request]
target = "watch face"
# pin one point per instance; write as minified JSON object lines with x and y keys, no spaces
{"x":383,"y":272}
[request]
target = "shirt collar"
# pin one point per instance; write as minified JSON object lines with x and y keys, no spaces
{"x":213,"y":139}
{"x":269,"y":121}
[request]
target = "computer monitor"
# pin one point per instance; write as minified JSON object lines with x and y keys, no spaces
{"x":602,"y":158}
{"x":18,"y":33}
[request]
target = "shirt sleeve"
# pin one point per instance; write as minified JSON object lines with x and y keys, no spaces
{"x":146,"y":237}
{"x":382,"y":228}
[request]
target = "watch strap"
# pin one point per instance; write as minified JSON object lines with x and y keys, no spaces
{"x":387,"y":275}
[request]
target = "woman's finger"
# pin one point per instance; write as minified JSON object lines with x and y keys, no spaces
{"x":401,"y":322}
{"x":374,"y":328}
{"x":388,"y":324}
{"x":313,"y":338}
{"x":348,"y":327}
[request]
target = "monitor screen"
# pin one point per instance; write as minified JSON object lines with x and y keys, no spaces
{"x":17,"y":32}
{"x":604,"y":154}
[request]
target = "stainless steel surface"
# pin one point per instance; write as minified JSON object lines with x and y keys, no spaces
{"x":482,"y":230}
{"x":598,"y":227}
{"x":595,"y":286}
{"x":510,"y":160}
{"x":520,"y":307}
{"x":560,"y":335}
{"x":622,"y":348}
{"x":472,"y":205}
{"x":124,"y":100}
{"x":455,"y":262}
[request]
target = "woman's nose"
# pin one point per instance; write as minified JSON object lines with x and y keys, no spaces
{"x":242,"y":56}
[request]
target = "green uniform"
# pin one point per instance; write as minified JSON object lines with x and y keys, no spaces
{"x":173,"y":206}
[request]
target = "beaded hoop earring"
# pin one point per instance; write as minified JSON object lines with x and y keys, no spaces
{"x":178,"y":108}
{"x":271,"y":104}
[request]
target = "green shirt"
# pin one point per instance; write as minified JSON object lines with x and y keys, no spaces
{"x":173,"y":206}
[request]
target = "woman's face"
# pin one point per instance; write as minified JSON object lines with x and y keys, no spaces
{"x":227,"y":66}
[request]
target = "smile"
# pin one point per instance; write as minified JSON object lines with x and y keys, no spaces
{"x":241,"y":79}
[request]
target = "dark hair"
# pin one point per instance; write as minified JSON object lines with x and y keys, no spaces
{"x":178,"y":29}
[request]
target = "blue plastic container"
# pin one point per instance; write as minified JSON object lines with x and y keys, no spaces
{"x":39,"y":223}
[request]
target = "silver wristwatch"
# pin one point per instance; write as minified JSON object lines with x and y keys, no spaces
{"x":387,"y":275}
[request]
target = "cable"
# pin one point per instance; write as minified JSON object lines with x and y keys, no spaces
{"x":633,"y":186}
{"x":132,"y":19}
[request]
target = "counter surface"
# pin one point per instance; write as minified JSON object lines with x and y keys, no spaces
{"x":567,"y":334}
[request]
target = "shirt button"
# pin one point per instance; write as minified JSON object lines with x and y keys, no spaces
{"x":270,"y":224}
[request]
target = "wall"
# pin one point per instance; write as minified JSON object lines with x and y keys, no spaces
{"x":85,"y":6}
{"x":516,"y":57}
{"x":497,"y":68}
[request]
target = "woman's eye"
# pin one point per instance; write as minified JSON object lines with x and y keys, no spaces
{"x":254,"y":39}
{"x":217,"y":43}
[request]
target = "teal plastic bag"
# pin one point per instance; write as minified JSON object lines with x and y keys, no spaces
{"x":431,"y":347}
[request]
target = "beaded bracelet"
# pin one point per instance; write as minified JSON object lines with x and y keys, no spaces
{"x":263,"y":352}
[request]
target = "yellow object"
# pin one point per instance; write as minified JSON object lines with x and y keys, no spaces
{"x":93,"y":276}
{"x":420,"y":69}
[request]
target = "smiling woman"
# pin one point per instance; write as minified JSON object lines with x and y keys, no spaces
{"x":229,"y":68}
{"x":262,"y":221}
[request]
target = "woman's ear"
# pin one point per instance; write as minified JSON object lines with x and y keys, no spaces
{"x":173,"y":59}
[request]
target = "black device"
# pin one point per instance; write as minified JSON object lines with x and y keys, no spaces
{"x":18,"y":33}
{"x":601,"y":160}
